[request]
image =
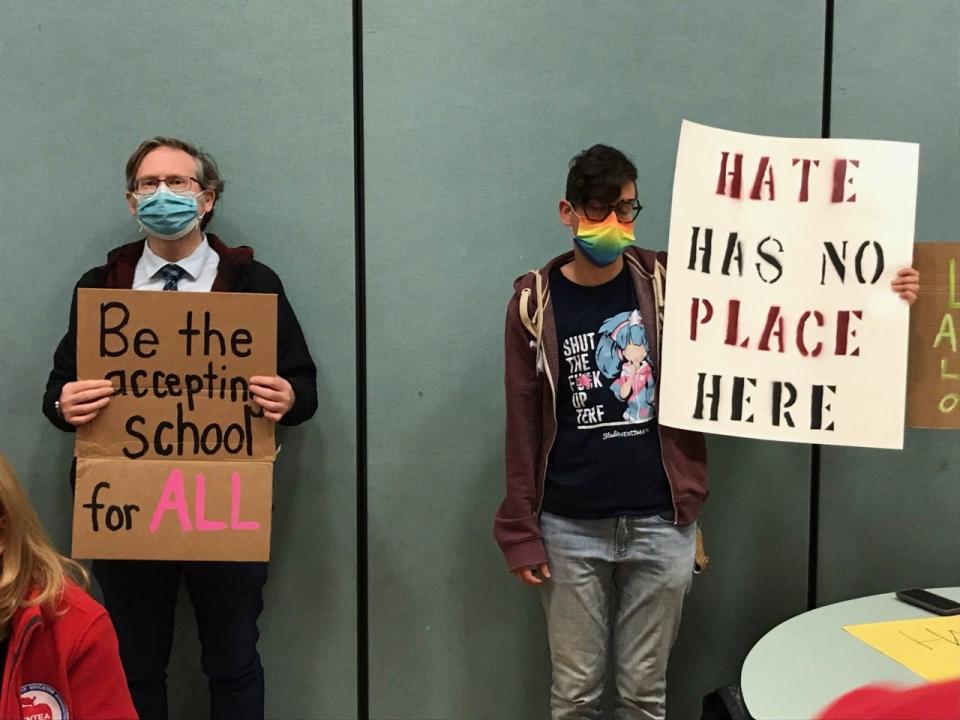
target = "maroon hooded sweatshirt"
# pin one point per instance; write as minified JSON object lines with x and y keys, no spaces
{"x":532,"y":424}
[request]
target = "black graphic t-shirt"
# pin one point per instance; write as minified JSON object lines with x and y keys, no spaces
{"x":606,"y":457}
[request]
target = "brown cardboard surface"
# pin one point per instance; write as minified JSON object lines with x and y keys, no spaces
{"x":216,"y":485}
{"x":214,"y":527}
{"x":933,"y":380}
{"x":165,"y":313}
{"x":122,"y":428}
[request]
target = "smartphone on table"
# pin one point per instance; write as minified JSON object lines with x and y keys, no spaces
{"x":929,"y":601}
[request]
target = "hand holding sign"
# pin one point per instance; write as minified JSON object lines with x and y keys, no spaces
{"x":80,"y":401}
{"x":274,"y":394}
{"x":907,"y":284}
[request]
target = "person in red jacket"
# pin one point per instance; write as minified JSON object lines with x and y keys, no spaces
{"x":58,"y":648}
{"x":932,"y":701}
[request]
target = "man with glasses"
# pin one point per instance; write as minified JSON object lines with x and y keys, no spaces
{"x":602,"y":501}
{"x":172,"y":189}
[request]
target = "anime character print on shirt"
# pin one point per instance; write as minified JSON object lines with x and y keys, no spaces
{"x":621,"y":352}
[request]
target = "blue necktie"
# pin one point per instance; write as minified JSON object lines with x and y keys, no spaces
{"x":171,"y":274}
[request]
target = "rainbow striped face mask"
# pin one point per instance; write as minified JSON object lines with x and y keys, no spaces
{"x":603,"y":242}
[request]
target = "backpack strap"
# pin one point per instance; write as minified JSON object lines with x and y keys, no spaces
{"x":659,"y":291}
{"x":700,"y":557}
{"x":533,"y":322}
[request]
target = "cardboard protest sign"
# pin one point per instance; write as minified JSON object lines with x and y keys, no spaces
{"x":933,"y":385}
{"x":780,"y":322}
{"x":179,"y":464}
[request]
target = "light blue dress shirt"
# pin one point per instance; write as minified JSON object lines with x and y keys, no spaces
{"x":200,"y":267}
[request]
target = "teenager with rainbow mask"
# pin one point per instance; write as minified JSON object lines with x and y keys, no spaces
{"x":602,"y":501}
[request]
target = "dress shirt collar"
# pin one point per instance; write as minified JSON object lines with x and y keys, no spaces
{"x":192,"y":265}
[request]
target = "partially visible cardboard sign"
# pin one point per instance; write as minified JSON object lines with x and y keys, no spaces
{"x":933,"y":384}
{"x":179,"y":465}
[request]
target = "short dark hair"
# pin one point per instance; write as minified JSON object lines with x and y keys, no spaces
{"x":599,"y":174}
{"x":207,"y":171}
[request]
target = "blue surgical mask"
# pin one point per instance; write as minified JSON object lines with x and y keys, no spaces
{"x":167,"y":215}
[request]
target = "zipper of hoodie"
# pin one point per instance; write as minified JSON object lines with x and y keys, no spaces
{"x":553,"y":401}
{"x":663,"y":464}
{"x":553,"y":438}
{"x":673,"y":496}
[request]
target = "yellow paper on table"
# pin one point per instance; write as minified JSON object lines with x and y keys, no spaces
{"x":930,"y":647}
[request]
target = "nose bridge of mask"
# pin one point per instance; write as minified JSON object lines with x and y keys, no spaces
{"x":610,"y":227}
{"x":164,"y":190}
{"x":163,"y":199}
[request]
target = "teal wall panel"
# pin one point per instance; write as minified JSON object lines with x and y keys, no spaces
{"x":268,"y":92}
{"x":891,"y":519}
{"x":472,"y":113}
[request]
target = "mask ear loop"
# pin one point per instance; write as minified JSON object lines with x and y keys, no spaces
{"x":574,"y":211}
{"x":201,"y":216}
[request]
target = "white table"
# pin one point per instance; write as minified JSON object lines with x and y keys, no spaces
{"x":800,"y":666}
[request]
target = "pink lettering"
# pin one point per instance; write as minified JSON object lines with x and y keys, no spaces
{"x":172,"y":499}
{"x":202,"y":523}
{"x":235,"y":522}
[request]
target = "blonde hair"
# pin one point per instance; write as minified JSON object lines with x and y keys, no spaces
{"x":32,"y":572}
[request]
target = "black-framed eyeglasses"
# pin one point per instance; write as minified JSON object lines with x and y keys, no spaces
{"x":626,"y":210}
{"x":149,"y":184}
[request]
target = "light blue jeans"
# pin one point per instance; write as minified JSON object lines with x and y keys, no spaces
{"x":621,"y":579}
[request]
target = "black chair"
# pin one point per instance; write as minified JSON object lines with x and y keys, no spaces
{"x":725,"y":703}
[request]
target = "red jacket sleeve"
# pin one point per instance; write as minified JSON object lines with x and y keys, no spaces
{"x":517,"y":526}
{"x":98,"y":686}
{"x":932,"y":701}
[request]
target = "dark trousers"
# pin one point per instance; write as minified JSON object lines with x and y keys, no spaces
{"x":227,"y":598}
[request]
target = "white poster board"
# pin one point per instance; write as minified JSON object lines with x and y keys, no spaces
{"x":780,"y":323}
